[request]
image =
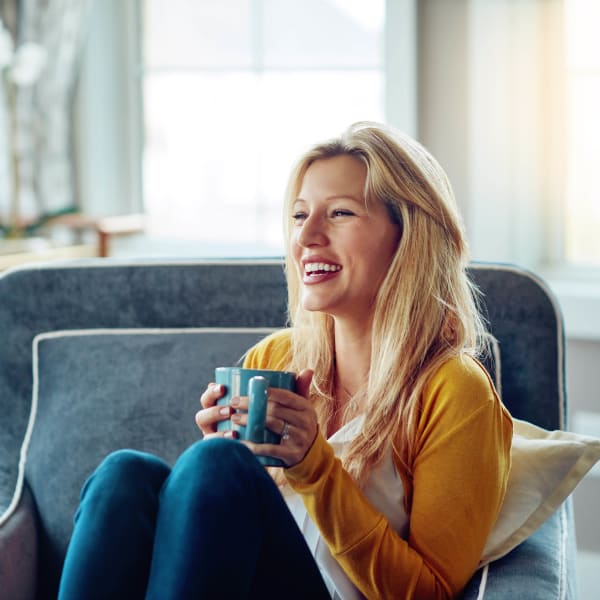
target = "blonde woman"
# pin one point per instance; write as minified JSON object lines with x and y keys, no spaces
{"x":397,"y":448}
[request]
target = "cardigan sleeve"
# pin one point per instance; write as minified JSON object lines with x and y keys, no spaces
{"x":270,"y":353}
{"x":458,"y":484}
{"x":461,"y":470}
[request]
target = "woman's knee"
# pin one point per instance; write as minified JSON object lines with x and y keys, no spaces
{"x":127,"y":473}
{"x":216,"y":460}
{"x":217,"y":453}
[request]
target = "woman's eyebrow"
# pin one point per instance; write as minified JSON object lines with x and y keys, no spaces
{"x":335,"y":197}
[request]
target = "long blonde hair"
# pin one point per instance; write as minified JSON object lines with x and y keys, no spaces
{"x":425,"y":311}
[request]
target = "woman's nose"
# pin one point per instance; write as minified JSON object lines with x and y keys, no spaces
{"x":312,"y":232}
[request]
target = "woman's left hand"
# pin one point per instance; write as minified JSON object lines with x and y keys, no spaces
{"x":290,"y":415}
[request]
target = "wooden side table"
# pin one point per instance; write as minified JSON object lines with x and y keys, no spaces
{"x":105,"y":227}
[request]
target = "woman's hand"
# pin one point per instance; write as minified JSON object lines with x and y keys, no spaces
{"x":290,"y":415}
{"x":211,"y":414}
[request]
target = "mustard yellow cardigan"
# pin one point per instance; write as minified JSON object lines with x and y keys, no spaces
{"x":453,"y":498}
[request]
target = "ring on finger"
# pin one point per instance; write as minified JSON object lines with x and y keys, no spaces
{"x":285,"y":432}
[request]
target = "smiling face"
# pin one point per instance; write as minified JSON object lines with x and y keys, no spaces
{"x":341,"y":247}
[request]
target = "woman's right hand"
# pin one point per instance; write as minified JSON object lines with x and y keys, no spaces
{"x":210,"y":414}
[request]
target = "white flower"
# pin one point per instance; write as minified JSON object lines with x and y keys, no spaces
{"x":24,"y":65}
{"x":28,"y":63}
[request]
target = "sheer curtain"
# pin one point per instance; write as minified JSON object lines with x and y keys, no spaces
{"x":516,"y":136}
{"x":43,"y":169}
{"x":8,"y":36}
{"x":491,"y":102}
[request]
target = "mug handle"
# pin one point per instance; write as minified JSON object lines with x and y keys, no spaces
{"x":257,"y":409}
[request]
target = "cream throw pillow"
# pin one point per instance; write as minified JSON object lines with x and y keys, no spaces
{"x":546,"y":467}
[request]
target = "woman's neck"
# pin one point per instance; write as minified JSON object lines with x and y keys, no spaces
{"x":352,"y":359}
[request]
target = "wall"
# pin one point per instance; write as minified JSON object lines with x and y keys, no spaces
{"x":583,"y":393}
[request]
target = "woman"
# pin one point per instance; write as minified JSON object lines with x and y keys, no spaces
{"x":384,"y":336}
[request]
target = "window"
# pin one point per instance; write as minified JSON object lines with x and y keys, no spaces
{"x":233,"y":93}
{"x":582,"y":236}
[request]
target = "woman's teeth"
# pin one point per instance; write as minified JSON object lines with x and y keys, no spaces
{"x":318,"y":267}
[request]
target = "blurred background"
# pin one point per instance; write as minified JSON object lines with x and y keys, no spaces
{"x":140,"y":127}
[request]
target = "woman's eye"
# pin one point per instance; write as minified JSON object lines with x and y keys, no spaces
{"x":340,"y":212}
{"x":298,"y":216}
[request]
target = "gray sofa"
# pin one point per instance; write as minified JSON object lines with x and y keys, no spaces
{"x":102,"y":354}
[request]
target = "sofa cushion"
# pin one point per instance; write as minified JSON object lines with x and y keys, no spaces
{"x":96,"y":391}
{"x":546,"y":466}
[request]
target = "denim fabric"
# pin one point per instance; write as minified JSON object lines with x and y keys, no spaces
{"x":215,"y":526}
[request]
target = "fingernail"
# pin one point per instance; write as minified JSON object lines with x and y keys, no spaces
{"x":235,"y":401}
{"x":225,"y":411}
{"x":235,"y":418}
{"x":217,"y":388}
{"x":231,"y":435}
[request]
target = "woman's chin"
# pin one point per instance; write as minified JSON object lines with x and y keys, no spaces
{"x":315,"y":305}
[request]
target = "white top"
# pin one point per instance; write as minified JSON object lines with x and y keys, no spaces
{"x":385,"y":491}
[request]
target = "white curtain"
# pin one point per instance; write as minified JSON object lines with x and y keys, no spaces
{"x":516,"y":129}
{"x":491,"y":109}
{"x":43,"y":153}
{"x":8,"y":31}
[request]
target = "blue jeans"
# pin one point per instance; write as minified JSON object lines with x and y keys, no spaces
{"x":215,"y":526}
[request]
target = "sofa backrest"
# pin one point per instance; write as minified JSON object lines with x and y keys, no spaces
{"x":96,"y":294}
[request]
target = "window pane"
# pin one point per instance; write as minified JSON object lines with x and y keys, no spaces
{"x":233,"y":93}
{"x":262,"y":33}
{"x":219,"y":147}
{"x":193,"y":33}
{"x":323,"y":33}
{"x":199,"y":159}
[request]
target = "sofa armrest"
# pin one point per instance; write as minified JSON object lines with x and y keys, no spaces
{"x":18,"y":551}
{"x":542,"y":567}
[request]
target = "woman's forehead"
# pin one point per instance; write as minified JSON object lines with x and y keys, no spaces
{"x":339,"y":175}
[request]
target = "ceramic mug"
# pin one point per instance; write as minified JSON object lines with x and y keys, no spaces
{"x":253,"y":383}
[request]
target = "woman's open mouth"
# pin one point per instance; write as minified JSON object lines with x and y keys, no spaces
{"x":315,"y":272}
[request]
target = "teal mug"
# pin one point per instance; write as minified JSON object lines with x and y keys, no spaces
{"x":253,"y":383}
